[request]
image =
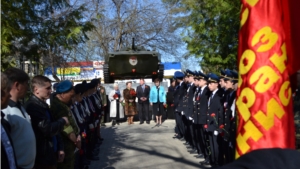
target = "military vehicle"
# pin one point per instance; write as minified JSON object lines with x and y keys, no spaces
{"x":132,"y":63}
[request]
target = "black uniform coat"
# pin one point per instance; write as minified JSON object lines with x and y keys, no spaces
{"x":170,"y":102}
{"x":170,"y":95}
{"x":89,"y":110}
{"x":216,"y":108}
{"x":97,"y":103}
{"x":225,"y":94}
{"x":228,"y":113}
{"x":196,"y":101}
{"x":201,"y":106}
{"x":78,"y":112}
{"x":188,"y":103}
{"x":178,"y":97}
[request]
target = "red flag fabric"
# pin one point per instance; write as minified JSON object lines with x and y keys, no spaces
{"x":292,"y":27}
{"x":264,"y":103}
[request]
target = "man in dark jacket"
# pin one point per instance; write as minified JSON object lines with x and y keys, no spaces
{"x":142,"y":93}
{"x":178,"y":103}
{"x":102,"y":95}
{"x":215,"y":114}
{"x":48,"y":141}
{"x":228,"y":151}
{"x":79,"y":115}
{"x":188,"y":112}
{"x":170,"y":99}
{"x":200,"y":117}
{"x":97,"y":104}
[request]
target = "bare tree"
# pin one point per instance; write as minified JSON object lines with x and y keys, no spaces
{"x":118,"y":21}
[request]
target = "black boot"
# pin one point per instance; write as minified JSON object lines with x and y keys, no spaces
{"x":205,"y":162}
{"x":93,"y":158}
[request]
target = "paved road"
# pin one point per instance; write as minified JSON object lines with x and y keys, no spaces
{"x":143,"y":146}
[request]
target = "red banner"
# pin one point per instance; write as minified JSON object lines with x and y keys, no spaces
{"x":264,"y":97}
{"x":292,"y":27}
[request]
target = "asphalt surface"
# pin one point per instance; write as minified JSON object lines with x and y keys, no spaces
{"x":143,"y":146}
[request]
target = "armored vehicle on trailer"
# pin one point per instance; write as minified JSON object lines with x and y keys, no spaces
{"x":132,"y":63}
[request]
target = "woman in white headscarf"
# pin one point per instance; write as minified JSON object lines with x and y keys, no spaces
{"x":116,"y":109}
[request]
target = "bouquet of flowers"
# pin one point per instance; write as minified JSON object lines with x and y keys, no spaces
{"x":83,"y":134}
{"x":116,"y":96}
{"x":132,"y":93}
{"x":165,"y":106}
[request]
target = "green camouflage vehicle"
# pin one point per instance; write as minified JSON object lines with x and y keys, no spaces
{"x":132,"y":63}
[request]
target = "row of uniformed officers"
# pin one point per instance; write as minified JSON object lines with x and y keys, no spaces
{"x":205,"y":114}
{"x":88,"y":106}
{"x":86,"y":110}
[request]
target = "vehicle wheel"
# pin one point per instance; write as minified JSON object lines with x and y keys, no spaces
{"x":106,"y":75}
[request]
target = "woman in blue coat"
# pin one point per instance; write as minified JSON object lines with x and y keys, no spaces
{"x":157,"y":100}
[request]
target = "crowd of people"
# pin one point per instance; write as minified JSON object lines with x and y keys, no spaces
{"x":59,"y":126}
{"x":206,"y":117}
{"x":133,"y":102}
{"x":204,"y":107}
{"x":65,"y":134}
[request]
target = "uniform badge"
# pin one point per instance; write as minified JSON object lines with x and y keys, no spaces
{"x":225,"y":104}
{"x":133,"y":60}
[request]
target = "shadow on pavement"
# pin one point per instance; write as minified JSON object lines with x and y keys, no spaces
{"x":112,"y":150}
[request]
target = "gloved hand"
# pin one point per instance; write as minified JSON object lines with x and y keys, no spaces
{"x":216,"y":132}
{"x":193,"y":121}
{"x":190,"y":118}
{"x":91,"y":126}
{"x":182,"y":113}
{"x":230,"y":145}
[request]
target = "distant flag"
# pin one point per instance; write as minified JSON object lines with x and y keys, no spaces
{"x":266,"y":58}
